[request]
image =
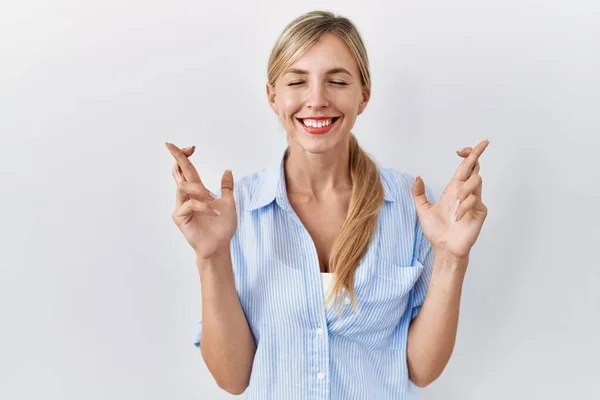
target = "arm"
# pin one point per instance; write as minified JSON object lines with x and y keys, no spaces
{"x":227,"y":344}
{"x":432,"y":334}
{"x":453,"y":225}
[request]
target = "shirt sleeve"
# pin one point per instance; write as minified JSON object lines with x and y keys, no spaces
{"x":422,"y":284}
{"x":424,"y":255}
{"x":198,"y":334}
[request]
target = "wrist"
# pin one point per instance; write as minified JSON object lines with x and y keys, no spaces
{"x":449,"y":260}
{"x":217,"y":259}
{"x":443,"y":250}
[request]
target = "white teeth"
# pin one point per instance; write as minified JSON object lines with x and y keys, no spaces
{"x":313,"y":123}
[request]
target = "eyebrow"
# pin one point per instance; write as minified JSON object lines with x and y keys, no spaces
{"x":330,"y":72}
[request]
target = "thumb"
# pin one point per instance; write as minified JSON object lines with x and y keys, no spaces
{"x":227,"y":183}
{"x":418,"y":192}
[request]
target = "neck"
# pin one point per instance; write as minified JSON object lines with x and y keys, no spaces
{"x":318,"y":175}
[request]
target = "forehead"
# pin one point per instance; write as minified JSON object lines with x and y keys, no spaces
{"x":329,"y":52}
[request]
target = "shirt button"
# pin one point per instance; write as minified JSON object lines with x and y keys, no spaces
{"x":320,"y":376}
{"x":319,"y":331}
{"x":347,"y":300}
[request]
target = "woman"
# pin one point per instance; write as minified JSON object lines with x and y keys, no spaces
{"x":265,"y":248}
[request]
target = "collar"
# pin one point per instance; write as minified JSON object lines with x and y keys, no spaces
{"x":271,"y":186}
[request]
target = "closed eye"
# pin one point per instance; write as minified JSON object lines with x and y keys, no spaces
{"x":332,"y":82}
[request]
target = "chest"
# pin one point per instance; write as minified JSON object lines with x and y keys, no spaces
{"x":323,"y":222}
{"x":281,"y":289}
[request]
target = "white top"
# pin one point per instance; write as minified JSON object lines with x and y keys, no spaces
{"x":327,"y":278}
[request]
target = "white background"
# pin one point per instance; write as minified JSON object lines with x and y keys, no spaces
{"x":99,"y":294}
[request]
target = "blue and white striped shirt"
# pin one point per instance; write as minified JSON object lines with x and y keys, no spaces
{"x":303,"y":350}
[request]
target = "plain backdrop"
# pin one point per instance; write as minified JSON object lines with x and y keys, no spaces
{"x":99,"y":294}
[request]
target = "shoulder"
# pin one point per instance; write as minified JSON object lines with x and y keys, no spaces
{"x":396,"y":179}
{"x":400,"y":184}
{"x":245,"y":187}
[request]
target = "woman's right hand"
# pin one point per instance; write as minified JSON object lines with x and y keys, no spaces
{"x":207,"y":223}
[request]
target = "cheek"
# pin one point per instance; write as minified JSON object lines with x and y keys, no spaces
{"x":288,"y":103}
{"x":290,"y":106}
{"x":347,"y":103}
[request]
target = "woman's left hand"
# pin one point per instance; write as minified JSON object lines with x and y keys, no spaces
{"x":453,"y":223}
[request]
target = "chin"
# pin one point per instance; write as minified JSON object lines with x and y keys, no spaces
{"x":318,"y":144}
{"x":315,"y":143}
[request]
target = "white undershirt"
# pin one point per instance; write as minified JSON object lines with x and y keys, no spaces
{"x":327,"y":278}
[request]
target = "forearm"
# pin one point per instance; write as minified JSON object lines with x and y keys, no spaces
{"x":432,"y":335}
{"x":227,"y":344}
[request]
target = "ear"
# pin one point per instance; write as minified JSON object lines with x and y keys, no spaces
{"x":271,"y":97}
{"x":366,"y":95}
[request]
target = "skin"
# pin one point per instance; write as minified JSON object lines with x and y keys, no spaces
{"x":318,"y":164}
{"x":227,"y":344}
{"x":324,"y":82}
{"x":452,"y":225}
{"x":319,"y":186}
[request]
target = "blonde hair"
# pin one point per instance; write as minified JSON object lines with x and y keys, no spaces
{"x":367,"y":190}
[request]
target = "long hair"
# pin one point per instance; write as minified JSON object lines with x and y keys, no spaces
{"x":367,"y":190}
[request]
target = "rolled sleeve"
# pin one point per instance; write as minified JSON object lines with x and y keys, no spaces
{"x":198,"y":334}
{"x":422,"y":284}
{"x":425,"y":256}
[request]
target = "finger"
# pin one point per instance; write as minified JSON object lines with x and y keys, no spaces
{"x":189,"y":171}
{"x":469,"y":186}
{"x":480,"y":209}
{"x":478,"y":189}
{"x":464,"y":153}
{"x":227,"y":183}
{"x":465,"y":168}
{"x":188,"y":151}
{"x":191,"y":206}
{"x":476,"y":169}
{"x":418,"y":192}
{"x":199,"y":192}
{"x":180,"y":197}
{"x":177,"y":172}
{"x":465,"y":207}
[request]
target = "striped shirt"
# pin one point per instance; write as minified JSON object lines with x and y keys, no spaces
{"x":304,"y":350}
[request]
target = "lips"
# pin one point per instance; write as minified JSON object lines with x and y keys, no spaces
{"x":318,"y":130}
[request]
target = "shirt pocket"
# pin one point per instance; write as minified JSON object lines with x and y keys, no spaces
{"x":388,"y":298}
{"x":382,"y":300}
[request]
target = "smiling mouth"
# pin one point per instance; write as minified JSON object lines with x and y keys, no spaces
{"x":317,"y":123}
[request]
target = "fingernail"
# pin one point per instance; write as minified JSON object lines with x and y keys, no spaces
{"x":216,"y":212}
{"x":461,"y":150}
{"x":454,"y":217}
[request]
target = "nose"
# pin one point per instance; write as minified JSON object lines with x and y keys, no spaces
{"x":317,"y":97}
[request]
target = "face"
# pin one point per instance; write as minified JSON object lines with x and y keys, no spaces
{"x":319,"y":97}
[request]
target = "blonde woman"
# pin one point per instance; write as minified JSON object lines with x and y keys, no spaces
{"x":326,"y":276}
